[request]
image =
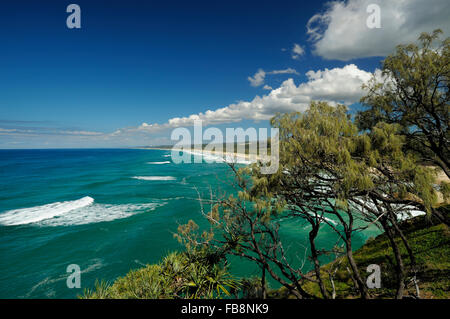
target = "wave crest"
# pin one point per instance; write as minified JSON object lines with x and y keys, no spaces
{"x":38,"y":213}
{"x":78,"y":212}
{"x":100,"y":213}
{"x":155,"y":178}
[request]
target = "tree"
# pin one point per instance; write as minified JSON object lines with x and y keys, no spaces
{"x":413,"y":91}
{"x":247,"y":227}
{"x":330,"y":175}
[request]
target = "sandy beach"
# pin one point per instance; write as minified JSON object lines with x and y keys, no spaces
{"x":228,"y":157}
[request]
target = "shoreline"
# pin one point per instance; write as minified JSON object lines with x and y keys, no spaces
{"x":225,"y":156}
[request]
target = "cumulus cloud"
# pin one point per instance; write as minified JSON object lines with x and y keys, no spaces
{"x":297,"y":51}
{"x":341,"y":31}
{"x":337,"y":85}
{"x":259,"y":77}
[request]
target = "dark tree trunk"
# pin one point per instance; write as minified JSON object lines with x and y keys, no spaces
{"x":412,"y":258}
{"x":263,"y":283}
{"x":361,"y":285}
{"x":440,"y":217}
{"x":314,"y":256}
{"x":399,"y":266}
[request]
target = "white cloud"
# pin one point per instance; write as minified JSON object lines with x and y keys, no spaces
{"x":267,"y":87}
{"x":338,"y":85}
{"x":285,"y":71}
{"x":46,"y":131}
{"x":259,"y":77}
{"x":297,"y":51}
{"x":5,"y":130}
{"x":80,"y":133}
{"x":341,"y":31}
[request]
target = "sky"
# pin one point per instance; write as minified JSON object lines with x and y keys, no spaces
{"x":136,"y":70}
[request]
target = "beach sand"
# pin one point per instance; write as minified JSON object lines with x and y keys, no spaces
{"x":226,"y":156}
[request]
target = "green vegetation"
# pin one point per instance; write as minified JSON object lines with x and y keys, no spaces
{"x":414,"y":94}
{"x":334,"y":174}
{"x":178,"y":275}
{"x":430,"y":241}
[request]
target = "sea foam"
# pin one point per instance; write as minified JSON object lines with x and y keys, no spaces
{"x":159,"y":163}
{"x":97,"y":213}
{"x":155,"y":178}
{"x":221,"y":157}
{"x":77,"y":212}
{"x":38,"y":213}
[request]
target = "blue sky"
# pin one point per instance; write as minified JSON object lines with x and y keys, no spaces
{"x":135,"y":62}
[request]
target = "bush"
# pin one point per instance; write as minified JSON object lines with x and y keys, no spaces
{"x":178,"y":275}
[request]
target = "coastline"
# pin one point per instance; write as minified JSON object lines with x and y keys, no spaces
{"x":241,"y":158}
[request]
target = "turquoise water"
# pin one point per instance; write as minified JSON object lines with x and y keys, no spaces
{"x":107,"y":210}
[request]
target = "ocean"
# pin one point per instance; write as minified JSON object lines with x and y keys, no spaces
{"x":108,"y":211}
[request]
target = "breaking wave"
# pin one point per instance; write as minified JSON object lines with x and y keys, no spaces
{"x":38,"y":213}
{"x":155,"y":178}
{"x":77,"y":212}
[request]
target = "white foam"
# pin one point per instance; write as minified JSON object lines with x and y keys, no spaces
{"x":100,"y":213}
{"x":221,"y":158}
{"x":403,"y":212}
{"x":229,"y":158}
{"x":410,"y":212}
{"x":159,"y":163}
{"x":46,"y":283}
{"x":207,"y":156}
{"x":155,"y":178}
{"x":38,"y":213}
{"x":322,"y":218}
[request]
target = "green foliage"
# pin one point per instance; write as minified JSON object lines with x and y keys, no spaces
{"x":444,"y":188}
{"x":332,"y":171}
{"x":413,"y":92}
{"x":101,"y":291}
{"x":431,"y":245}
{"x":178,"y":275}
{"x":328,"y":171}
{"x":251,"y":288}
{"x":322,"y":149}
